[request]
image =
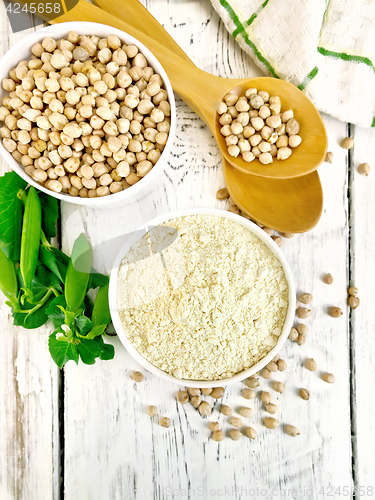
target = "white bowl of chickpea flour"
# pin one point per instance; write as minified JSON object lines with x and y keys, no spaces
{"x":204,"y":298}
{"x":97,"y":126}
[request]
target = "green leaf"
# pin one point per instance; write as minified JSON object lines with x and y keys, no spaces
{"x":11,"y":208}
{"x":108,"y":351}
{"x":84,"y":324}
{"x":89,"y":350}
{"x":101,"y":314}
{"x":54,"y":312}
{"x":95,"y":331}
{"x":62,"y":351}
{"x":31,"y":321}
{"x":50,"y":214}
{"x":97,"y":279}
{"x":51,"y":259}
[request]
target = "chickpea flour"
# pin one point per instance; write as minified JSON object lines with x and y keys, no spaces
{"x":209,"y":305}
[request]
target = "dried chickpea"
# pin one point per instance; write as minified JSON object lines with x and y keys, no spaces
{"x":328,"y":279}
{"x":206,"y":391}
{"x":302,"y":329}
{"x":250,"y":432}
{"x":235,"y":434}
{"x":218,"y":392}
{"x":291,"y":430}
{"x":347,"y":143}
{"x":265,"y":397}
{"x":214,"y":426}
{"x":303,"y":312}
{"x":218,"y":436}
{"x":248,"y":394}
{"x":305,"y":298}
{"x":301,"y":339}
{"x":271,"y":423}
{"x":138,"y":377}
{"x":165,"y":422}
{"x":304,"y":393}
{"x":252,"y":383}
{"x":293,"y":335}
{"x":245,"y":412}
{"x":226,"y":410}
{"x":195,"y":401}
{"x":282,"y":365}
{"x":311,"y":365}
{"x":152,"y":411}
{"x":271,"y":408}
{"x":364,"y":169}
{"x":278,"y":387}
{"x":329,"y":378}
{"x":236,"y":422}
{"x":335,"y":312}
{"x":204,"y":409}
{"x":353,"y":302}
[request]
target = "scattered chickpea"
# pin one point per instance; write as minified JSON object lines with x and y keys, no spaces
{"x":293,"y":334}
{"x":152,"y":411}
{"x":226,"y":410}
{"x":353,"y":290}
{"x":222,"y":194}
{"x":347,"y":143}
{"x":245,"y":412}
{"x":272,"y":366}
{"x":195,"y":401}
{"x":252,"y":383}
{"x":265,"y":373}
{"x":302,"y":329}
{"x":138,"y":377}
{"x":165,"y":422}
{"x":278,"y":240}
{"x":328,"y":279}
{"x":265,"y":397}
{"x":278,"y":387}
{"x":250,"y":433}
{"x":311,"y":365}
{"x":303,"y":312}
{"x":329,"y":378}
{"x":291,"y":430}
{"x":218,"y":435}
{"x":301,"y":339}
{"x":235,"y":434}
{"x":335,"y":312}
{"x":271,"y":423}
{"x":248,"y":394}
{"x":364,"y":169}
{"x":236,"y":422}
{"x":282,"y":365}
{"x":194,"y":391}
{"x":182,"y":397}
{"x":304,"y":393}
{"x":353,"y":302}
{"x":305,"y":298}
{"x":329,"y":157}
{"x":271,"y":408}
{"x":218,"y":392}
{"x":206,"y":391}
{"x":214,"y":426}
{"x":204,"y":409}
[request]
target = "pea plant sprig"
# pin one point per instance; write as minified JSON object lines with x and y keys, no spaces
{"x":41,"y":283}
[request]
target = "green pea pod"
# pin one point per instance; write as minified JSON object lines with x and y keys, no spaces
{"x":78,"y":273}
{"x":8,"y":278}
{"x":30,"y":239}
{"x":100,"y":313}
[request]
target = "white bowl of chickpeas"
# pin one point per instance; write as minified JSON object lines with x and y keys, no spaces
{"x":87,"y":113}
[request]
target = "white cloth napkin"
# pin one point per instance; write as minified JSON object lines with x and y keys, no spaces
{"x":324,"y":47}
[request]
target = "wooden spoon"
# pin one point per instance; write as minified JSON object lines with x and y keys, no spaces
{"x":203,"y":92}
{"x":291,"y":205}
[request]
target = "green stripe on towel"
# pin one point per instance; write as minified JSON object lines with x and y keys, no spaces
{"x":308,"y":78}
{"x":243,"y":27}
{"x":346,"y":57}
{"x":245,"y":36}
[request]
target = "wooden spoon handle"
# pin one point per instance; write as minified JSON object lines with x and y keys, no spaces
{"x":200,"y":90}
{"x":136,"y":14}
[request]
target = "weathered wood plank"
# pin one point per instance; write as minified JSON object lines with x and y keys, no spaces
{"x":112,"y":449}
{"x":362,"y":320}
{"x":29,"y":387}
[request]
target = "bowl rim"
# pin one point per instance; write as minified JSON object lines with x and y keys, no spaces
{"x":83,"y":27}
{"x":267,"y":240}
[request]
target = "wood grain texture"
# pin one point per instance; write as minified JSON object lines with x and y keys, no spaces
{"x":362,"y":207}
{"x":112,"y":448}
{"x":29,"y":392}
